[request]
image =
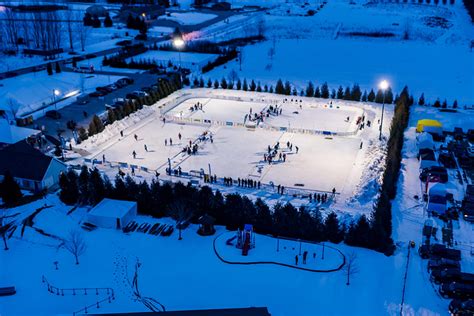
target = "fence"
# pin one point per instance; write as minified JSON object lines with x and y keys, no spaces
{"x":109,"y":292}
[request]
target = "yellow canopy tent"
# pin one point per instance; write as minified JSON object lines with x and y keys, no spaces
{"x":430,"y":124}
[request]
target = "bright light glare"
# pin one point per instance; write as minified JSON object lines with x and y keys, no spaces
{"x":72,"y":93}
{"x":56,"y":92}
{"x":178,"y":42}
{"x":384,"y":85}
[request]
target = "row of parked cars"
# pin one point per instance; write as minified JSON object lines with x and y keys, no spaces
{"x":104,"y":90}
{"x":444,"y":266}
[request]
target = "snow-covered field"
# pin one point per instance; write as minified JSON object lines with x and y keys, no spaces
{"x":171,"y":270}
{"x":27,"y":93}
{"x":188,"y":18}
{"x":320,"y":48}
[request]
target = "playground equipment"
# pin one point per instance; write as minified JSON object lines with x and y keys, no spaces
{"x":246,"y":239}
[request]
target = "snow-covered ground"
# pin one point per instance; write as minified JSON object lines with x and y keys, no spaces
{"x":323,"y":44}
{"x":188,"y":18}
{"x":171,"y":270}
{"x":190,"y":60}
{"x":27,"y":93}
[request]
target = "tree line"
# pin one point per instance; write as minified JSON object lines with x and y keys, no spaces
{"x":233,"y":211}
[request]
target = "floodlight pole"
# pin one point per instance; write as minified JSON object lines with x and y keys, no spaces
{"x":381,"y":120}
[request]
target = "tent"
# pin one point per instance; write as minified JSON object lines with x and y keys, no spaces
{"x":437,"y":198}
{"x":425,"y":141}
{"x":112,"y":213}
{"x":429,"y":126}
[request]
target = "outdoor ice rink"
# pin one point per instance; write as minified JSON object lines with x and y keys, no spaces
{"x":322,"y":162}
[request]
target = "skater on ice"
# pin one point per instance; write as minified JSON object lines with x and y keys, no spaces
{"x":134,"y":154}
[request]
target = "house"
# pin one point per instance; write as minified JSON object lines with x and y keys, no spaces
{"x":32,"y":169}
{"x":111,"y":213}
{"x":11,"y":134}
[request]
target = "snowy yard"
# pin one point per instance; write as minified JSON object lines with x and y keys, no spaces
{"x":166,"y":274}
{"x":188,"y":18}
{"x":27,"y":93}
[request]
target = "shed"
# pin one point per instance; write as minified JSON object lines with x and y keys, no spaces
{"x":429,"y":126}
{"x":206,"y":225}
{"x":111,"y":213}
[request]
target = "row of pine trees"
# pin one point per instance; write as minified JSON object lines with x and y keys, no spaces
{"x":232,"y":211}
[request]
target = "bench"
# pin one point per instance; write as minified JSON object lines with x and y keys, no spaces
{"x":10,"y":290}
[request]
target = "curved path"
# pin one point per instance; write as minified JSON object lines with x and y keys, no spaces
{"x":278,"y":263}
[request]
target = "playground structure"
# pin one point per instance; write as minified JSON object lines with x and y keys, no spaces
{"x":245,"y":239}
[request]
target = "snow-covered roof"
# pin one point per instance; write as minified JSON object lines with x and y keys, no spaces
{"x":112,"y":208}
{"x":11,"y":134}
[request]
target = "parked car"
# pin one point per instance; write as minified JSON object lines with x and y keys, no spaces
{"x":446,"y":158}
{"x":457,"y":290}
{"x":124,"y":43}
{"x":140,"y":94}
{"x":458,"y":133}
{"x":470,"y":135}
{"x":437,"y":171}
{"x":90,"y":56}
{"x":96,"y":94}
{"x":53,"y":114}
{"x":460,"y":307}
{"x":131,"y":96}
{"x":451,"y":275}
{"x":441,"y":264}
{"x":437,"y":251}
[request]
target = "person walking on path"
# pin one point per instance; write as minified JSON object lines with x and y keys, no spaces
{"x":136,"y":137}
{"x":146,"y":148}
{"x":103,"y":158}
{"x":166,"y":141}
{"x":133,"y":171}
{"x":296,"y":260}
{"x":134,"y":154}
{"x":305,"y":254}
{"x":121,"y":133}
{"x":179,"y":136}
{"x":171,"y":142}
{"x":297,"y":149}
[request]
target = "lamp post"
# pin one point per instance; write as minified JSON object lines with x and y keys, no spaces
{"x":56,"y":92}
{"x":179,"y":43}
{"x":383,"y":86}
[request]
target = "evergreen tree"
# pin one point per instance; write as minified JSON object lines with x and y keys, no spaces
{"x":389,"y":96}
{"x":279,"y":88}
{"x":371,"y":96}
{"x":87,"y":20}
{"x":317,"y":92}
{"x":239,"y":85}
{"x":444,"y":105}
{"x":310,"y":89}
{"x":332,"y":230}
{"x":333,"y":93}
{"x":379,"y":97}
{"x":108,"y":21}
{"x":294,"y":92}
{"x":325,"y":91}
{"x":49,"y":69}
{"x":68,"y":185}
{"x":195,"y":82}
{"x":271,"y":90}
{"x":92,"y":130}
{"x":83,"y":185}
{"x":421,"y":100}
{"x":98,"y":123}
{"x":230,"y":85}
{"x":209,"y":83}
{"x":11,"y":192}
{"x":356,"y":93}
{"x":347,"y":94}
{"x":259,"y":87}
{"x":437,"y":104}
{"x":58,"y":67}
{"x":287,"y":88}
{"x":223,"y":83}
{"x":95,"y":22}
{"x":340,"y":93}
{"x":455,"y":104}
{"x":265,"y":88}
{"x":216,"y":84}
{"x":364,"y":96}
{"x":253,"y":86}
{"x":96,"y":187}
{"x":245,"y":86}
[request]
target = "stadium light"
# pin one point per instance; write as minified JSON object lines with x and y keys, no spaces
{"x":178,"y":42}
{"x":56,"y":92}
{"x":383,"y":85}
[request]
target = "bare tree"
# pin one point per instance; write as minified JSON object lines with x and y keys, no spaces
{"x":75,"y":244}
{"x":82,"y":33}
{"x":351,"y":268}
{"x":181,"y":212}
{"x":11,"y":28}
{"x":71,"y":18}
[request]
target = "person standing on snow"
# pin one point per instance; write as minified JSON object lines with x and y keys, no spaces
{"x":134,"y":154}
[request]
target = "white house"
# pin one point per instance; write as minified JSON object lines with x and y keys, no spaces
{"x":112,"y":213}
{"x":31,"y":169}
